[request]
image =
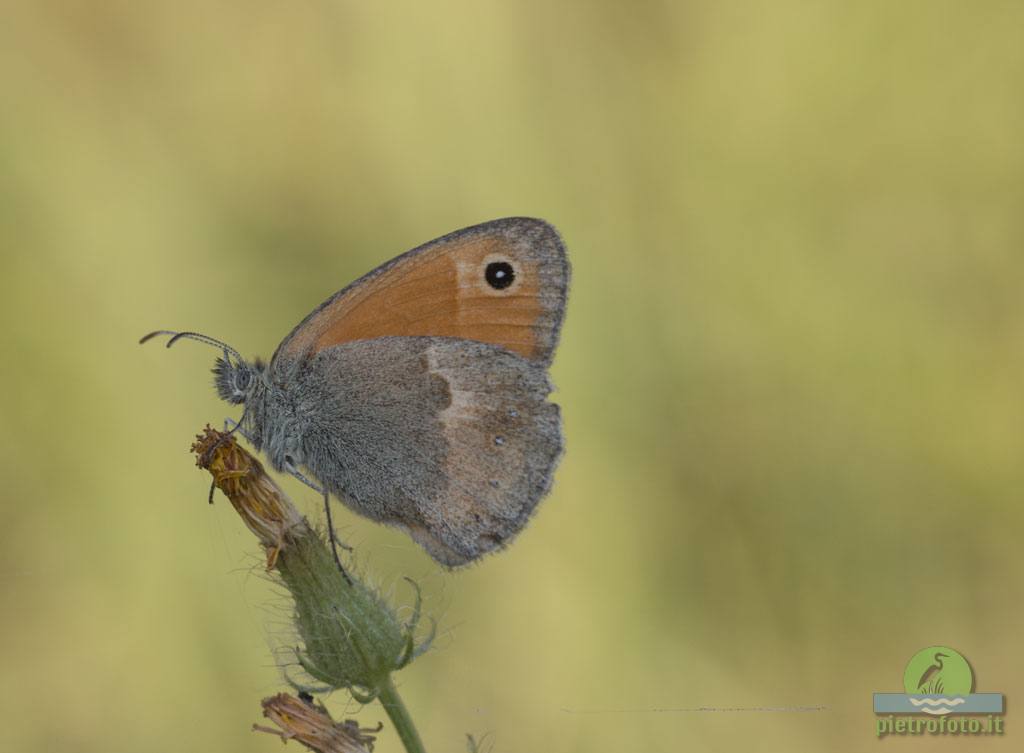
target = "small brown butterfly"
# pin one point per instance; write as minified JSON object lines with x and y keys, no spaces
{"x":417,"y":395}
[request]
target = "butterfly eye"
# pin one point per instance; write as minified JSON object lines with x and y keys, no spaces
{"x":499,"y":274}
{"x":242,"y":379}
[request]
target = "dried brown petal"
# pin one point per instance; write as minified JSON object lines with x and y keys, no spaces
{"x":312,"y":726}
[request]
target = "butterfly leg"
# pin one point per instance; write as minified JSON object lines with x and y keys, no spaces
{"x":330,"y":523}
{"x":334,"y":538}
{"x":298,"y":474}
{"x":231,"y":426}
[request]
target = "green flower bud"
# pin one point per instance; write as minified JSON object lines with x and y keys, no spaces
{"x":351,"y":638}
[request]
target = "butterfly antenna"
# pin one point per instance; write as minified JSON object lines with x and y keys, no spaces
{"x":199,"y":337}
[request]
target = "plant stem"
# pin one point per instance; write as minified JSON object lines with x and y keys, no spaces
{"x":392,"y":703}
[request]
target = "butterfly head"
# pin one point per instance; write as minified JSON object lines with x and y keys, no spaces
{"x":235,"y":380}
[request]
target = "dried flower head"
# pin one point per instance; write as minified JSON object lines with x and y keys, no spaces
{"x":308,"y":722}
{"x":261,"y":503}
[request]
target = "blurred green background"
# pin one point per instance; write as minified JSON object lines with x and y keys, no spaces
{"x":791,"y":372}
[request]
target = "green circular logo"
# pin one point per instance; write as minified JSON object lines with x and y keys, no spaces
{"x":938,"y":670}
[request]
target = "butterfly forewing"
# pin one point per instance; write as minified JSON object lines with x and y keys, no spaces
{"x":503,"y":282}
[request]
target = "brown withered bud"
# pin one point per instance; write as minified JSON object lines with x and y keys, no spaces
{"x":260,"y":502}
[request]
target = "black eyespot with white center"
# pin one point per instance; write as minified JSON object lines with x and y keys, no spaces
{"x":499,"y":274}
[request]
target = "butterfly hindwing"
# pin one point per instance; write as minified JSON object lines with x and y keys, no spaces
{"x":451,"y":439}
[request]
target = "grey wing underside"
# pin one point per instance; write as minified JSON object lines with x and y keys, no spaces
{"x":453,"y":440}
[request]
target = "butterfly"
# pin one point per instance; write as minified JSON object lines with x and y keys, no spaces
{"x":418,"y":394}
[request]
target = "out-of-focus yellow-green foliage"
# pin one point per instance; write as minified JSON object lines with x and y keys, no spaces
{"x":792,"y":371}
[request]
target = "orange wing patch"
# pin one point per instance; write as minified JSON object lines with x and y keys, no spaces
{"x":503,"y":282}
